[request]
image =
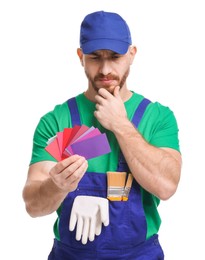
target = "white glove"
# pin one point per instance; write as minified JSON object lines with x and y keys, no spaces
{"x":89,"y":213}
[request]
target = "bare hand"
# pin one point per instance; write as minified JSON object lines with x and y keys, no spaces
{"x":67,"y":173}
{"x":110,"y":110}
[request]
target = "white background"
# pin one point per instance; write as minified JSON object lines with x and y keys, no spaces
{"x":39,"y":68}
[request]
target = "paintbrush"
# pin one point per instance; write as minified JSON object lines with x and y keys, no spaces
{"x":127,"y":187}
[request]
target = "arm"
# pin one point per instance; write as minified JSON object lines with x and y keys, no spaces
{"x":156,"y":169}
{"x":48,"y":183}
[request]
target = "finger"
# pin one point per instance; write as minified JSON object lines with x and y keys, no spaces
{"x":116,"y":92}
{"x":75,"y":166}
{"x":85,"y":231}
{"x":70,"y":183}
{"x":60,"y":166}
{"x":104,"y":213}
{"x":99,"y":99}
{"x":78,"y":174}
{"x":71,"y":176}
{"x":74,"y":171}
{"x":97,"y":106}
{"x":104,"y":93}
{"x":92,"y":229}
{"x":106,"y":221}
{"x":98,"y":227}
{"x":79,"y":229}
{"x":73,"y":220}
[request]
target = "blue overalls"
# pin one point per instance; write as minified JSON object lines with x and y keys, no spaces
{"x":125,"y":236}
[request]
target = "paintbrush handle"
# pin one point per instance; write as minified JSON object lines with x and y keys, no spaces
{"x":127,"y":187}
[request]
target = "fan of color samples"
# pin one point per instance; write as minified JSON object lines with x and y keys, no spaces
{"x":88,"y":142}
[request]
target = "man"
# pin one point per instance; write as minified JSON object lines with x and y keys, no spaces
{"x":143,"y":137}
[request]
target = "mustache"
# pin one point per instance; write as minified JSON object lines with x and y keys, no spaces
{"x":108,"y":77}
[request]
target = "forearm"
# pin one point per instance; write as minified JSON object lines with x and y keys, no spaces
{"x":155,"y":169}
{"x":48,"y":183}
{"x":42,"y":197}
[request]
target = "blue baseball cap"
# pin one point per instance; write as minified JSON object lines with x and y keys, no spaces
{"x":104,"y":31}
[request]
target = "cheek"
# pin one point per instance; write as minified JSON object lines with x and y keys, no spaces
{"x":121,"y":73}
{"x":89,"y":74}
{"x":90,"y":69}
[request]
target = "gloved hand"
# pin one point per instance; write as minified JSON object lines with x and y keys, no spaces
{"x":89,"y":213}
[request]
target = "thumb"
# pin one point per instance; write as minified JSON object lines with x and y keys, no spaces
{"x":116,"y":92}
{"x":104,"y":212}
{"x":73,"y":221}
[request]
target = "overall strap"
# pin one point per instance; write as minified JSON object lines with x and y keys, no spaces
{"x":140,"y":111}
{"x":122,"y":165}
{"x":75,"y":117}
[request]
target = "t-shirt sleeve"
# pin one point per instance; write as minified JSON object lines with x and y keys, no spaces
{"x":48,"y":126}
{"x":44,"y":130}
{"x":165,"y":128}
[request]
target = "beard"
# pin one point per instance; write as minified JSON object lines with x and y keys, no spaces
{"x":110,"y":88}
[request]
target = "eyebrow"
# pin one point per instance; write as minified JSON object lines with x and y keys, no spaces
{"x":98,"y":53}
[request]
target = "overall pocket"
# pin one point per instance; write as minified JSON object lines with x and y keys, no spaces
{"x":127,"y":226}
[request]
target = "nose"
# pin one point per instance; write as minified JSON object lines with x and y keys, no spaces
{"x":105,"y":67}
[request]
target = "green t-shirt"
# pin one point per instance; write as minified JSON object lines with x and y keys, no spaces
{"x":158,"y":126}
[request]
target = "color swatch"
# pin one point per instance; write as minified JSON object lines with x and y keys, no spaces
{"x":88,"y":142}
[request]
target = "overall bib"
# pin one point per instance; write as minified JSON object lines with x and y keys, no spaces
{"x":125,"y":236}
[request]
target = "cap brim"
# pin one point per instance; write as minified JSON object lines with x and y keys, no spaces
{"x":105,"y":44}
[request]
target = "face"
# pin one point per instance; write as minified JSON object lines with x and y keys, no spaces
{"x":107,"y":69}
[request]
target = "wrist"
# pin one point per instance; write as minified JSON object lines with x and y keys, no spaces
{"x":55,"y":189}
{"x":123,"y":128}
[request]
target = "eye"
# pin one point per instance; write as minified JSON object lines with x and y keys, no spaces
{"x":116,"y":56}
{"x":94,"y":57}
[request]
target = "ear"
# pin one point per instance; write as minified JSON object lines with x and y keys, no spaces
{"x":80,"y":55}
{"x":132,"y":52}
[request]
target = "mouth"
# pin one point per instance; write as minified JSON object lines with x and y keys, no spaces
{"x":106,"y":80}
